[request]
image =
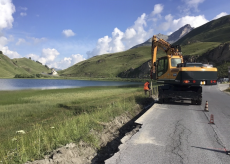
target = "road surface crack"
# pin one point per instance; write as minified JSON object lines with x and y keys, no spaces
{"x":178,"y":143}
{"x":216,"y":136}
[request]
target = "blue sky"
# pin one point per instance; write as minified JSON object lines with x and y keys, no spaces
{"x":60,"y":33}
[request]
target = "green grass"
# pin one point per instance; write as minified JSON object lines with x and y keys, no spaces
{"x":228,"y":89}
{"x":72,"y":113}
{"x":199,"y":48}
{"x":223,"y":69}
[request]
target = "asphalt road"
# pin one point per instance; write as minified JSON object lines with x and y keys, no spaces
{"x":177,"y":133}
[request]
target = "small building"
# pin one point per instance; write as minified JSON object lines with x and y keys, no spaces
{"x":53,"y":72}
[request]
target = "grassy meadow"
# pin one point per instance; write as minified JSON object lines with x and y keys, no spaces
{"x":52,"y":118}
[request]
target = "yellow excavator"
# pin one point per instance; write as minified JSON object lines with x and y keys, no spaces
{"x":181,"y":80}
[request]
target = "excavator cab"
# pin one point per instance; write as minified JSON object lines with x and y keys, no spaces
{"x":165,"y":67}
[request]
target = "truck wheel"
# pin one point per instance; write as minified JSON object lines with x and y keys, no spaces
{"x":199,"y":102}
{"x":166,"y":100}
{"x":193,"y":102}
{"x":161,"y":101}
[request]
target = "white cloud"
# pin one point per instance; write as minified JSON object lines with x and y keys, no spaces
{"x":116,"y":44}
{"x":67,"y":61}
{"x":140,"y":34}
{"x":20,"y":41}
{"x":121,"y":41}
{"x":9,"y":53}
{"x":158,"y":8}
{"x":5,"y":49}
{"x":194,"y":21}
{"x":37,"y":40}
{"x":6,"y":10}
{"x":33,"y":56}
{"x":48,"y":55}
{"x":174,"y":24}
{"x":23,"y":8}
{"x":189,"y":4}
{"x":23,"y":14}
{"x":102,"y":47}
{"x":68,"y":33}
{"x":3,"y":41}
{"x":129,"y":33}
{"x":77,"y":58}
{"x":220,"y":15}
{"x":6,"y":20}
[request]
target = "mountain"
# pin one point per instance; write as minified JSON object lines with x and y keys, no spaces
{"x":214,"y":31}
{"x":179,"y":33}
{"x":171,"y":38}
{"x":149,"y":41}
{"x":10,"y":67}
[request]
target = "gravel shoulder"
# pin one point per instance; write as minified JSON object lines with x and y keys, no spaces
{"x":223,"y":87}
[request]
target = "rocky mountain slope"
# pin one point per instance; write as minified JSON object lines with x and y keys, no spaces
{"x":171,"y":38}
{"x":214,"y":31}
{"x":179,"y":33}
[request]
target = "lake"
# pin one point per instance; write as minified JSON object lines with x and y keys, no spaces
{"x":20,"y":84}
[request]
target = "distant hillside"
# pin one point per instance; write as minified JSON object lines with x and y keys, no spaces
{"x":123,"y":64}
{"x":109,"y":65}
{"x":10,"y":67}
{"x":30,"y":66}
{"x":214,"y":31}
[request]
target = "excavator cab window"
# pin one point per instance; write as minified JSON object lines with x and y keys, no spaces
{"x":162,"y":66}
{"x":174,"y":62}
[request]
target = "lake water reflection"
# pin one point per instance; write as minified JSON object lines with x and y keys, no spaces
{"x":20,"y":84}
